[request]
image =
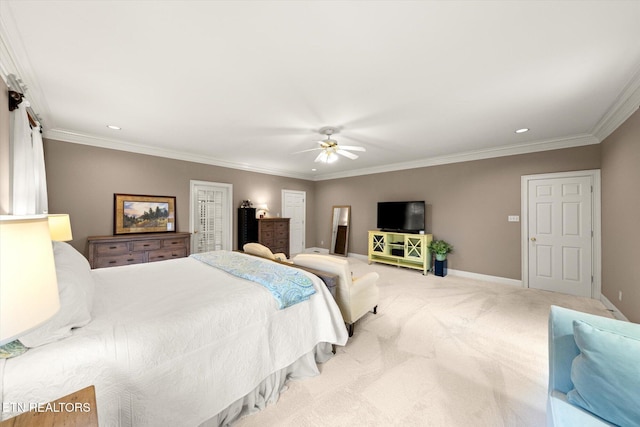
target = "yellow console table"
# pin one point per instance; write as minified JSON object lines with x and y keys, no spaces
{"x":400,"y":249}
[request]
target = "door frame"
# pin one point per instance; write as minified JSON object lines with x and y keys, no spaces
{"x":229,"y":221}
{"x":596,"y":242}
{"x":304,"y":214}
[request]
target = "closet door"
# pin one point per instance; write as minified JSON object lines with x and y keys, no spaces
{"x":211,"y":216}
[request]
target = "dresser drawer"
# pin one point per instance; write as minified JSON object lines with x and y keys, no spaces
{"x":282,"y":226}
{"x":116,"y":260}
{"x":169,"y":253}
{"x":146,"y":245}
{"x":267,"y":226}
{"x":173,"y":243}
{"x":115,"y":248}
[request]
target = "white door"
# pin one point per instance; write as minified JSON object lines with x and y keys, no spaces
{"x":211,"y":216}
{"x":294,"y":207}
{"x":560,"y":234}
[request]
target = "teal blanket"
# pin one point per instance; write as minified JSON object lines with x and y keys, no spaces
{"x":287,"y":285}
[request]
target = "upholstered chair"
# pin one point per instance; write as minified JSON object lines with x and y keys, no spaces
{"x":263,"y":251}
{"x":355,"y":296}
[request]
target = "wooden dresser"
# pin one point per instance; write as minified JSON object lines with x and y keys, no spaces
{"x":274,"y":234}
{"x":111,"y":251}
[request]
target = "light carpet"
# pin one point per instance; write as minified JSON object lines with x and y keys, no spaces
{"x":442,"y":351}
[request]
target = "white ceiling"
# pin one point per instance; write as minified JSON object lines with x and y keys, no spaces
{"x":246,"y":84}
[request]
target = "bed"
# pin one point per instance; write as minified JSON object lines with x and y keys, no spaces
{"x":176,"y":342}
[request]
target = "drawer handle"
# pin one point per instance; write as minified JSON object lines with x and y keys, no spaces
{"x":113,"y":247}
{"x":174,"y":243}
{"x":160,"y":256}
{"x":131,"y":259}
{"x":112,"y":262}
{"x":174,"y":255}
{"x":146,"y":244}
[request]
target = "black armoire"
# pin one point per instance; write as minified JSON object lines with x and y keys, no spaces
{"x":247,"y":226}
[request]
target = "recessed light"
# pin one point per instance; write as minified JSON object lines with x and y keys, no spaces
{"x":114,"y":127}
{"x":523,"y":130}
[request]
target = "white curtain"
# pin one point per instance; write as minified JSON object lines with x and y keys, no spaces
{"x":42,"y":204}
{"x":29,"y":177}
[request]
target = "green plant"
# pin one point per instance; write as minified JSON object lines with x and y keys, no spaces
{"x":440,"y":248}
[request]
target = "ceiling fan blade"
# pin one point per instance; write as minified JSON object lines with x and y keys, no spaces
{"x":310,"y":149}
{"x":347,"y":154}
{"x":352,"y":148}
{"x":319,"y":158}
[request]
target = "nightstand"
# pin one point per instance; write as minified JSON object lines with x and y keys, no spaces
{"x":74,"y":410}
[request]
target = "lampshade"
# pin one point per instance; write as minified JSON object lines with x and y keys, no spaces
{"x":329,"y":156}
{"x":60,"y":227}
{"x":28,"y":285}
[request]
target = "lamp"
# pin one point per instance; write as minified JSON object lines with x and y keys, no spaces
{"x":28,"y":285}
{"x":60,"y":227}
{"x":264,"y":209}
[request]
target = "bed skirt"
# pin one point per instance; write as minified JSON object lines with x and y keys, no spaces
{"x":268,"y":391}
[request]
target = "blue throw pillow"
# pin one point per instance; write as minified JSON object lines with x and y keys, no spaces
{"x":606,"y":374}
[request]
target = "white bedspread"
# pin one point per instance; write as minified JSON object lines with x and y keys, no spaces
{"x":173,"y":343}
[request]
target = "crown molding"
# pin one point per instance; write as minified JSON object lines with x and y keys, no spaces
{"x":625,"y":105}
{"x":532,"y":147}
{"x":7,"y":64}
{"x":14,"y":60}
{"x":507,"y":150}
{"x":114,"y":144}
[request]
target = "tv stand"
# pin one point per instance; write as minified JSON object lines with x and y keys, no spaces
{"x":400,"y":249}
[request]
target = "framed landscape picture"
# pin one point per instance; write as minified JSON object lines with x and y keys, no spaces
{"x":143,"y":214}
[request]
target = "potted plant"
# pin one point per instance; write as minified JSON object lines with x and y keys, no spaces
{"x":440,"y":249}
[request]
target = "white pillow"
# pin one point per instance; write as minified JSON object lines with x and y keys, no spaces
{"x":75,"y":288}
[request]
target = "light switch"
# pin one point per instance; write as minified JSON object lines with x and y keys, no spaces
{"x":513,"y":218}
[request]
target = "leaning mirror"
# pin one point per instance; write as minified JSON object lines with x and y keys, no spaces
{"x":340,"y":230}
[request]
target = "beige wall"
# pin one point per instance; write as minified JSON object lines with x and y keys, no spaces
{"x":467,"y":204}
{"x":621,"y":217}
{"x":82,"y":180}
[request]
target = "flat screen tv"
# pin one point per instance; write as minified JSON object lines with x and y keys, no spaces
{"x":401,"y":216}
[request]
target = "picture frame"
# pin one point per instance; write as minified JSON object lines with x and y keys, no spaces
{"x":134,"y":213}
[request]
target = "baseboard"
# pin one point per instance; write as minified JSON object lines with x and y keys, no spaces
{"x":460,"y":273}
{"x":485,"y":277}
{"x":359,"y":256}
{"x":613,"y":309}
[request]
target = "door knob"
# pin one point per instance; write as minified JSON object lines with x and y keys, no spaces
{"x":533,"y":239}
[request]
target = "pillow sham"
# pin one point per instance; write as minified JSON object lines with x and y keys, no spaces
{"x":606,"y":374}
{"x":75,"y":288}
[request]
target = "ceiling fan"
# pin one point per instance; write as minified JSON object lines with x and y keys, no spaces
{"x":329,"y":148}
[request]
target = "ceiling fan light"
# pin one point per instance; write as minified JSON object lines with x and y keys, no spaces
{"x":331,"y":157}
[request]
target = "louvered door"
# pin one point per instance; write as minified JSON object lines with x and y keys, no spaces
{"x":211,"y":216}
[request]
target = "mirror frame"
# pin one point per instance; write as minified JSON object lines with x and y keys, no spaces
{"x":337,"y":236}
